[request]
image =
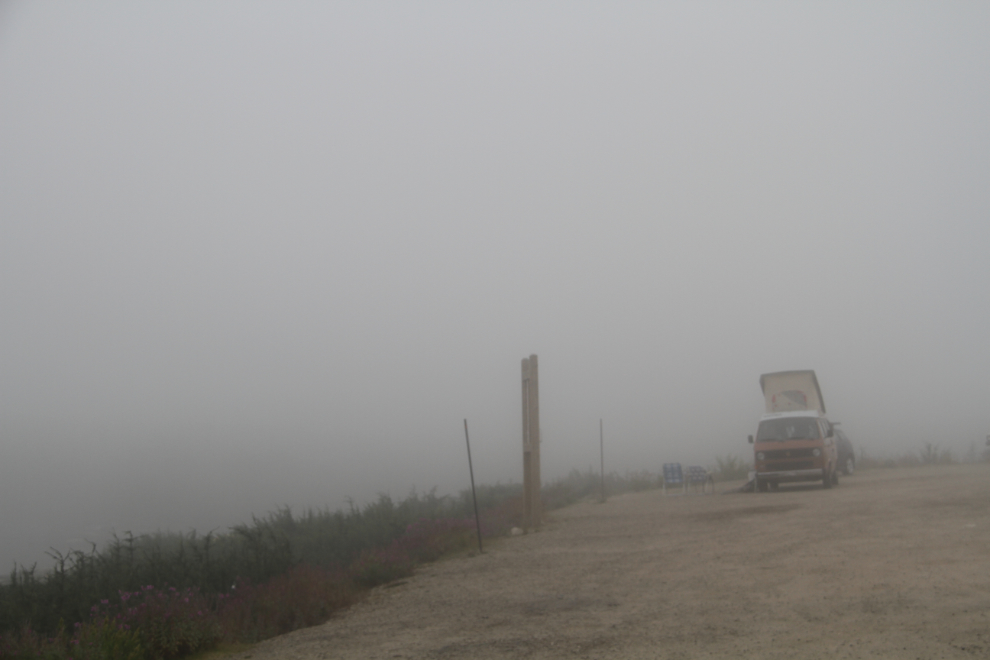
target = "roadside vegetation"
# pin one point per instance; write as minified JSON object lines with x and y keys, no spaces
{"x":731,"y":468}
{"x":170,"y":595}
{"x":930,"y":453}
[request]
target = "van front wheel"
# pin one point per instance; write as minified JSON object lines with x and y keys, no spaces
{"x":826,"y":479}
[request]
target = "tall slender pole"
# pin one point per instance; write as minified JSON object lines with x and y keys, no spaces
{"x":474,"y":496}
{"x":532,"y":506}
{"x":601,"y":444}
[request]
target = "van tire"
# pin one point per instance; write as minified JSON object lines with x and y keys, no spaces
{"x":850,"y":466}
{"x":835,"y":477}
{"x":762,"y":485}
{"x":826,"y":479}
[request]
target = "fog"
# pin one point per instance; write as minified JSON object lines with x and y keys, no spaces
{"x":260,"y":255}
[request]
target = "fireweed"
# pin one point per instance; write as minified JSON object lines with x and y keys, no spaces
{"x":281,"y":573}
{"x":169,"y":622}
{"x":303,"y":596}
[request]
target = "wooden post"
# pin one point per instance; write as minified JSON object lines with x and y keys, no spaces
{"x":474,"y":494}
{"x":601,"y":445}
{"x":532,"y":509}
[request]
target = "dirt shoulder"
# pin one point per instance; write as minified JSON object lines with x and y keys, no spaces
{"x":891,"y":563}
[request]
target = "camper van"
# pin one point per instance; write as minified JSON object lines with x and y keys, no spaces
{"x":794,"y":441}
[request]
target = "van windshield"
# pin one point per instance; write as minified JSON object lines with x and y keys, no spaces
{"x":789,"y":428}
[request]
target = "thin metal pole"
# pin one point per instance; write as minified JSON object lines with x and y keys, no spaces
{"x":601,"y":444}
{"x":474,"y":496}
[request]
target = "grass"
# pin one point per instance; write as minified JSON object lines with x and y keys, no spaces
{"x":164,"y":596}
{"x":175,"y":594}
{"x":731,"y":468}
{"x":165,"y":622}
{"x":930,"y":453}
{"x":578,"y":485}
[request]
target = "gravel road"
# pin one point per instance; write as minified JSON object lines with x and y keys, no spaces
{"x":891,"y":563}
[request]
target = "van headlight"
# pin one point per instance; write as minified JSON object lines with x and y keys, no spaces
{"x":816,"y":452}
{"x":760,"y":455}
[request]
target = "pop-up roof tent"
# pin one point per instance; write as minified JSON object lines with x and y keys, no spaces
{"x":785,"y":391}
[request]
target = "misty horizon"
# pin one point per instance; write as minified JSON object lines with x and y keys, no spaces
{"x":257,"y":256}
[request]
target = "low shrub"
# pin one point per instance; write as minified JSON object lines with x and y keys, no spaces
{"x":105,"y":639}
{"x":932,"y":454}
{"x":304,"y":596}
{"x":170,"y":622}
{"x":423,"y":541}
{"x":640,"y":480}
{"x":427,"y":540}
{"x":100,"y":639}
{"x":731,"y":468}
{"x":280,"y":573}
{"x":27,"y":643}
{"x":929,"y":454}
{"x":498,"y":520}
{"x":578,"y":485}
{"x":375,"y":567}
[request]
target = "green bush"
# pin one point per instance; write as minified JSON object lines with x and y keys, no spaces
{"x":731,"y":468}
{"x":255,"y":552}
{"x":929,"y":454}
{"x":375,"y":567}
{"x":100,"y":639}
{"x":379,"y":542}
{"x":105,"y":639}
{"x":932,"y":454}
{"x":303,"y":596}
{"x":170,"y":622}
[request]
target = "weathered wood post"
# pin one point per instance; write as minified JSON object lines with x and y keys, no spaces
{"x":532,"y":509}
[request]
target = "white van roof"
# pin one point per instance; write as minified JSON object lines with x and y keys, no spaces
{"x":786,"y":391}
{"x":793,"y":413}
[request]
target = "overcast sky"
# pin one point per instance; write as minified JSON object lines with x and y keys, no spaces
{"x":264,"y":254}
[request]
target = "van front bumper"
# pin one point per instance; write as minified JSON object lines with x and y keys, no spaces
{"x":791,"y":475}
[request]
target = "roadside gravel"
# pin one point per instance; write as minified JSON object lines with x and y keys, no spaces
{"x":891,"y":563}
